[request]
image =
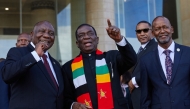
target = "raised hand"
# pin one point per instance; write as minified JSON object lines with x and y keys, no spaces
{"x":114,"y":32}
{"x":40,"y":48}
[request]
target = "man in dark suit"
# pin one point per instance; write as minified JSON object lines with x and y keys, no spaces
{"x":4,"y":90}
{"x":165,"y":71}
{"x":92,"y":79}
{"x":35,"y":77}
{"x":144,"y":36}
{"x":23,"y":40}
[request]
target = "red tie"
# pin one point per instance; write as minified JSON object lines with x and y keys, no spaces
{"x":49,"y":70}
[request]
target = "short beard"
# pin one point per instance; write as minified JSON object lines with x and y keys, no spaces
{"x":165,"y":41}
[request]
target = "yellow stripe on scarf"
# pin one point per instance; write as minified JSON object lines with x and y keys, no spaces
{"x":76,"y":65}
{"x":103,"y":78}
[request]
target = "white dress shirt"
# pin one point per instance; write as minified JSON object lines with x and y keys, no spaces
{"x":162,"y":56}
{"x":34,"y":53}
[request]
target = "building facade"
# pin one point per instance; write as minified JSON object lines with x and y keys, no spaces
{"x":17,"y":16}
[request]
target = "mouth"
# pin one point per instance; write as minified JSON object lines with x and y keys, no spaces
{"x":87,"y":44}
{"x":163,"y":36}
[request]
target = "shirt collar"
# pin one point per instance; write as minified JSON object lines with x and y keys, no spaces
{"x":171,"y":47}
{"x":46,"y":53}
{"x":144,"y":45}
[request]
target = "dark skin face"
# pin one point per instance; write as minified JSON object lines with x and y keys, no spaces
{"x":43,"y":37}
{"x":87,"y":40}
{"x":143,"y":37}
{"x":23,"y":40}
{"x":163,"y":31}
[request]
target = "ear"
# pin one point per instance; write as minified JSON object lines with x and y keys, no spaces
{"x":77,"y":43}
{"x":172,"y":29}
{"x":31,"y":35}
{"x":97,"y":40}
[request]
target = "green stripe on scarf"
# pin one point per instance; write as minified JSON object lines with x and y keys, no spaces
{"x":103,"y":85}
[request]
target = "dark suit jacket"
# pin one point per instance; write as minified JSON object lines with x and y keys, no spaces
{"x":4,"y":91}
{"x":156,"y":93}
{"x":31,"y":85}
{"x":136,"y":93}
{"x":117,"y":62}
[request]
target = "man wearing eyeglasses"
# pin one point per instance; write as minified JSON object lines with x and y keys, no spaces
{"x":92,"y":79}
{"x":144,"y":35}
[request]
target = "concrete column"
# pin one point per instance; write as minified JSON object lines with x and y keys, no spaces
{"x":183,"y":13}
{"x":45,"y":10}
{"x":97,"y":13}
{"x":77,"y":18}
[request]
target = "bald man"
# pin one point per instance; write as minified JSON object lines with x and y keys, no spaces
{"x":23,"y":40}
{"x":165,"y":71}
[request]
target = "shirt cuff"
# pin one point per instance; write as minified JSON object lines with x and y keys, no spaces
{"x":134,"y":82}
{"x":35,"y":55}
{"x":72,"y":105}
{"x":122,"y":42}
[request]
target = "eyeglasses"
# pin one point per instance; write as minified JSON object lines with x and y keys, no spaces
{"x":144,"y":30}
{"x":82,"y":35}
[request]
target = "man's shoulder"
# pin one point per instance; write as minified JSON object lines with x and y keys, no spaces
{"x":67,"y":64}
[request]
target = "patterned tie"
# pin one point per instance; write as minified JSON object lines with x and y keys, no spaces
{"x":140,"y":49}
{"x":168,"y":64}
{"x":49,"y":70}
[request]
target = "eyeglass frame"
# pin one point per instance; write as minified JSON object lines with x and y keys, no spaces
{"x":145,"y":30}
{"x":89,"y":33}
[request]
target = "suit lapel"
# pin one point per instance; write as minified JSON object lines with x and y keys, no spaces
{"x":58,"y":73}
{"x":45,"y":72}
{"x":177,"y":56}
{"x":42,"y":67}
{"x":146,"y":49}
{"x":159,"y":68}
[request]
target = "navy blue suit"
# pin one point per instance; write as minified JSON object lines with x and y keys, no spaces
{"x":155,"y":92}
{"x":4,"y":91}
{"x":31,"y":85}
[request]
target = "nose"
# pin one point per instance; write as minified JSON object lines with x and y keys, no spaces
{"x":142,"y":33}
{"x":86,"y":36}
{"x":162,"y":30}
{"x":46,"y":35}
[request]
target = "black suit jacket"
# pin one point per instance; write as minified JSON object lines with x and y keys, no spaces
{"x":4,"y":91}
{"x":156,"y":93}
{"x":136,"y":93}
{"x":31,"y":86}
{"x":117,"y":62}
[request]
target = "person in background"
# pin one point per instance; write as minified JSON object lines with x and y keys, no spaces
{"x":34,"y":76}
{"x":22,"y":41}
{"x":146,"y":39}
{"x":92,"y":79}
{"x":4,"y":90}
{"x":125,"y":78}
{"x":165,"y":77}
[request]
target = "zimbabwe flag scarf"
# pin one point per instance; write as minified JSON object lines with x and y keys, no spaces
{"x":104,"y":92}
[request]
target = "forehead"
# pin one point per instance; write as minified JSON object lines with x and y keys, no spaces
{"x":23,"y":36}
{"x":85,"y":28}
{"x":44,"y":25}
{"x":160,"y":22}
{"x":142,"y":26}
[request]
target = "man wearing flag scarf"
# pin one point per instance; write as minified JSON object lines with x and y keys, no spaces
{"x":92,"y":79}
